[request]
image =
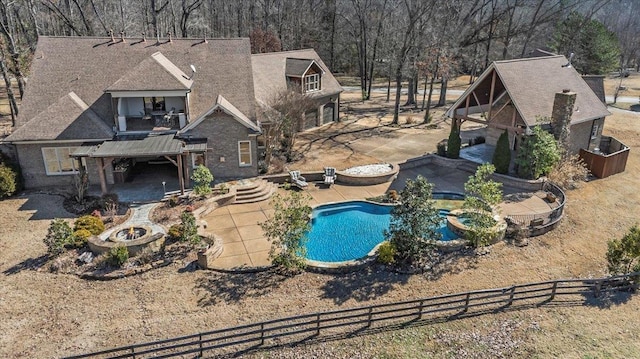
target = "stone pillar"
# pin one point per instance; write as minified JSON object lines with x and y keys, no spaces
{"x":561,"y":116}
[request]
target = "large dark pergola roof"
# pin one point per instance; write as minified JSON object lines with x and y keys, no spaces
{"x":163,"y":145}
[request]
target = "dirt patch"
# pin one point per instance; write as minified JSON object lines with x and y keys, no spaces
{"x":50,"y":315}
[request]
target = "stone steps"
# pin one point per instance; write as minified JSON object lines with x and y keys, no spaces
{"x":257,"y":191}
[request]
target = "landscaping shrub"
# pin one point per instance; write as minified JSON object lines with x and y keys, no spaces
{"x":202,"y":179}
{"x":502,"y":154}
{"x":7,"y":181}
{"x":92,"y":224}
{"x":392,"y":196}
{"x":623,"y":255}
{"x":569,"y":172}
{"x":189,"y":228}
{"x":538,"y":154}
{"x":58,"y":235}
{"x":482,"y":195}
{"x":479,"y":140}
{"x":454,"y":143}
{"x":117,"y":256}
{"x":286,"y":229}
{"x":174,"y":201}
{"x":387,"y":253}
{"x":79,"y":238}
{"x":175,"y":232}
{"x":414,"y":224}
{"x":441,"y":148}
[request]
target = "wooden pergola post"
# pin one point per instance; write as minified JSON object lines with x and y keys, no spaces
{"x":103,"y":180}
{"x":180,"y":174}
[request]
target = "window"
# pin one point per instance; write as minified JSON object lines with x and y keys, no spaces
{"x":594,"y":131}
{"x":58,"y":162}
{"x":312,"y":82}
{"x":244,"y":153}
{"x":154,"y":104}
{"x":197,"y":159}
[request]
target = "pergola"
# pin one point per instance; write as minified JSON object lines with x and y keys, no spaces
{"x":173,"y":149}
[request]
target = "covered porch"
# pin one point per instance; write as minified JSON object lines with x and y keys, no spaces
{"x":144,"y":154}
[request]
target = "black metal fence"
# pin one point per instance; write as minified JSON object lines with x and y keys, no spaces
{"x":542,"y":222}
{"x":354,"y":321}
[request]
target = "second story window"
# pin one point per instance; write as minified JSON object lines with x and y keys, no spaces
{"x":312,"y":82}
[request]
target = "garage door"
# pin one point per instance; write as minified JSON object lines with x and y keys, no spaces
{"x":327,"y":113}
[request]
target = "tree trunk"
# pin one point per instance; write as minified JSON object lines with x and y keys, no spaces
{"x":396,"y":107}
{"x":411,"y":94}
{"x":7,"y":82}
{"x":443,"y":91}
{"x":427,"y":114}
{"x":424,"y":91}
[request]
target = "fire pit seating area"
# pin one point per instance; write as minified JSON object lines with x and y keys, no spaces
{"x":135,"y":238}
{"x":356,"y":176}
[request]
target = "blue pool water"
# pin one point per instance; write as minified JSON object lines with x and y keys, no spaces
{"x":350,"y":230}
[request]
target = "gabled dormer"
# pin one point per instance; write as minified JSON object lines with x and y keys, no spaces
{"x":152,"y":96}
{"x":305,"y":73}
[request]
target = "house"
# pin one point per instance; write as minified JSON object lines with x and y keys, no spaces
{"x":107,"y":105}
{"x":302,"y":70}
{"x":516,"y":95}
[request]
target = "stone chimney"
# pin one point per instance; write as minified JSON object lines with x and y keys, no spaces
{"x":561,"y":116}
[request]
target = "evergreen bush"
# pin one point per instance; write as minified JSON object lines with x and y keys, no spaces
{"x":58,"y":234}
{"x":79,"y":238}
{"x":502,"y":154}
{"x":8,"y":181}
{"x":454,"y":142}
{"x":387,"y":253}
{"x":92,"y":224}
{"x":117,"y":256}
{"x":202,"y":179}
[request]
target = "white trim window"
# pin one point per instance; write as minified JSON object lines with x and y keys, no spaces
{"x":58,"y":162}
{"x":244,"y":153}
{"x":312,"y":83}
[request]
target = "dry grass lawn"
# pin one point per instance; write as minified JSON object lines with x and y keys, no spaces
{"x":49,"y":315}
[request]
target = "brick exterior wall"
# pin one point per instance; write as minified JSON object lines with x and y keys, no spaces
{"x":223,"y":133}
{"x":35,"y":174}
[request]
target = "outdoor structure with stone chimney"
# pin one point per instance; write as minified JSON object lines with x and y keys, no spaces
{"x":516,"y":95}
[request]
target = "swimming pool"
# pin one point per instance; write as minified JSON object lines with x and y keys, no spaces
{"x":351,"y":230}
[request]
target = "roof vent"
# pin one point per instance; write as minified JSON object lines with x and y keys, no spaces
{"x":568,"y":64}
{"x":566,"y":90}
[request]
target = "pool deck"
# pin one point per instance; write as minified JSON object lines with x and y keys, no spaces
{"x":244,"y":244}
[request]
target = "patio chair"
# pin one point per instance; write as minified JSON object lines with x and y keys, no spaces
{"x":329,"y":175}
{"x":297,"y":179}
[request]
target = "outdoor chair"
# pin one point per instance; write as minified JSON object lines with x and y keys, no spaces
{"x":297,"y":179}
{"x":329,"y":175}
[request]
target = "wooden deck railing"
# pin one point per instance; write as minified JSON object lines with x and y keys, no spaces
{"x":348,"y":322}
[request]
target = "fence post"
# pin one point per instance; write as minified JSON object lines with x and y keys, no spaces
{"x":511,"y":295}
{"x":318,"y":324}
{"x":466,"y":302}
{"x":597,"y":288}
{"x":421,"y":308}
{"x":200,"y":344}
{"x":261,"y":333}
{"x":553,"y":291}
{"x":133,"y":353}
{"x":369,"y":317}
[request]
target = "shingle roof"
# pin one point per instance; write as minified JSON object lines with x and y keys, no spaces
{"x":226,"y":106}
{"x":153,"y":73}
{"x":297,"y":67}
{"x":66,"y":119}
{"x":146,"y":146}
{"x":533,"y":82}
{"x":269,"y":74}
{"x":89,"y":65}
